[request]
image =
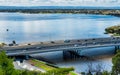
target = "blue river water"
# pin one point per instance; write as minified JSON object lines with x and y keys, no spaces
{"x":46,"y":27}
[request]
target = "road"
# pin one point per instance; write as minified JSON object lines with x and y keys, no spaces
{"x":32,"y":48}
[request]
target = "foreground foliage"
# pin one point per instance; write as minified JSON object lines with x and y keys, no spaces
{"x":116,"y":63}
{"x":7,"y":68}
{"x":115,"y":67}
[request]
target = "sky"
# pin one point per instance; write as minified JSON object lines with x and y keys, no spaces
{"x":60,"y":3}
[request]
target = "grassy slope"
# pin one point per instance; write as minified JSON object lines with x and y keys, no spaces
{"x":41,"y":64}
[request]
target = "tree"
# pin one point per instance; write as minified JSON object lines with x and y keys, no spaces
{"x":105,"y":73}
{"x":1,"y":71}
{"x":6,"y":64}
{"x":7,"y":68}
{"x":116,"y":63}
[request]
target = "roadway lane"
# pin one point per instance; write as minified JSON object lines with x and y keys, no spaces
{"x":69,"y":45}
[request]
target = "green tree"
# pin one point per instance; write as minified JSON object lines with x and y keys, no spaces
{"x":105,"y":73}
{"x":1,"y":71}
{"x":7,"y":68}
{"x":6,"y":64}
{"x":116,"y":63}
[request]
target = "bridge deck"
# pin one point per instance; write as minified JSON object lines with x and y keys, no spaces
{"x":61,"y":45}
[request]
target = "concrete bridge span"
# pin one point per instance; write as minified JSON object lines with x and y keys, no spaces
{"x":61,"y":45}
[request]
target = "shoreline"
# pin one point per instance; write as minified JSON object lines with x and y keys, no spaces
{"x":113,"y":31}
{"x":112,"y":12}
{"x":112,"y":35}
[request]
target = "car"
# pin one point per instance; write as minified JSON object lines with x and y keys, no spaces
{"x":38,"y":47}
{"x":52,"y":42}
{"x":67,"y":41}
{"x":75,"y":45}
{"x":82,"y":43}
{"x":29,"y":44}
{"x":78,"y":40}
{"x":94,"y":42}
{"x":24,"y":50}
{"x":10,"y":44}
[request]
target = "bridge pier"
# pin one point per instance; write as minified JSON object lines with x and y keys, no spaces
{"x":74,"y":54}
{"x":71,"y":54}
{"x":66,"y":55}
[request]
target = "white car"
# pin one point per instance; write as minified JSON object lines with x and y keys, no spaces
{"x":75,"y":45}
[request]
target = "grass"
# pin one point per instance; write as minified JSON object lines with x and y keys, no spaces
{"x":41,"y":64}
{"x":72,"y":73}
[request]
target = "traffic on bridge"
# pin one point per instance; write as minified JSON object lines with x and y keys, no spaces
{"x":60,"y":45}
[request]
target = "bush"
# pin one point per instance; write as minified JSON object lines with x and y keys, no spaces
{"x":105,"y":73}
{"x":116,"y":63}
{"x":113,"y":29}
{"x":7,"y":68}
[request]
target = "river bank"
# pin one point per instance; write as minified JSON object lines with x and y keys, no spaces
{"x":60,"y":10}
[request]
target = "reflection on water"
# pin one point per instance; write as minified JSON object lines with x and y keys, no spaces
{"x":44,"y":27}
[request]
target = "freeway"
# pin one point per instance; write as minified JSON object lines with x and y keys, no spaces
{"x":60,"y":45}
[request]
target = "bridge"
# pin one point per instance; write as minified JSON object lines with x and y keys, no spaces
{"x":60,"y":45}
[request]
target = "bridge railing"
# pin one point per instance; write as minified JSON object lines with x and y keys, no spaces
{"x":62,"y":43}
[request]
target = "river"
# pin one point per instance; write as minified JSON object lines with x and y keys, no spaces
{"x":47,"y":27}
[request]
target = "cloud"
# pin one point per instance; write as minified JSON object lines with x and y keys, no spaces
{"x":60,"y":2}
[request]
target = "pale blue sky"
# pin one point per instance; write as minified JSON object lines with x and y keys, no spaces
{"x":60,"y":2}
